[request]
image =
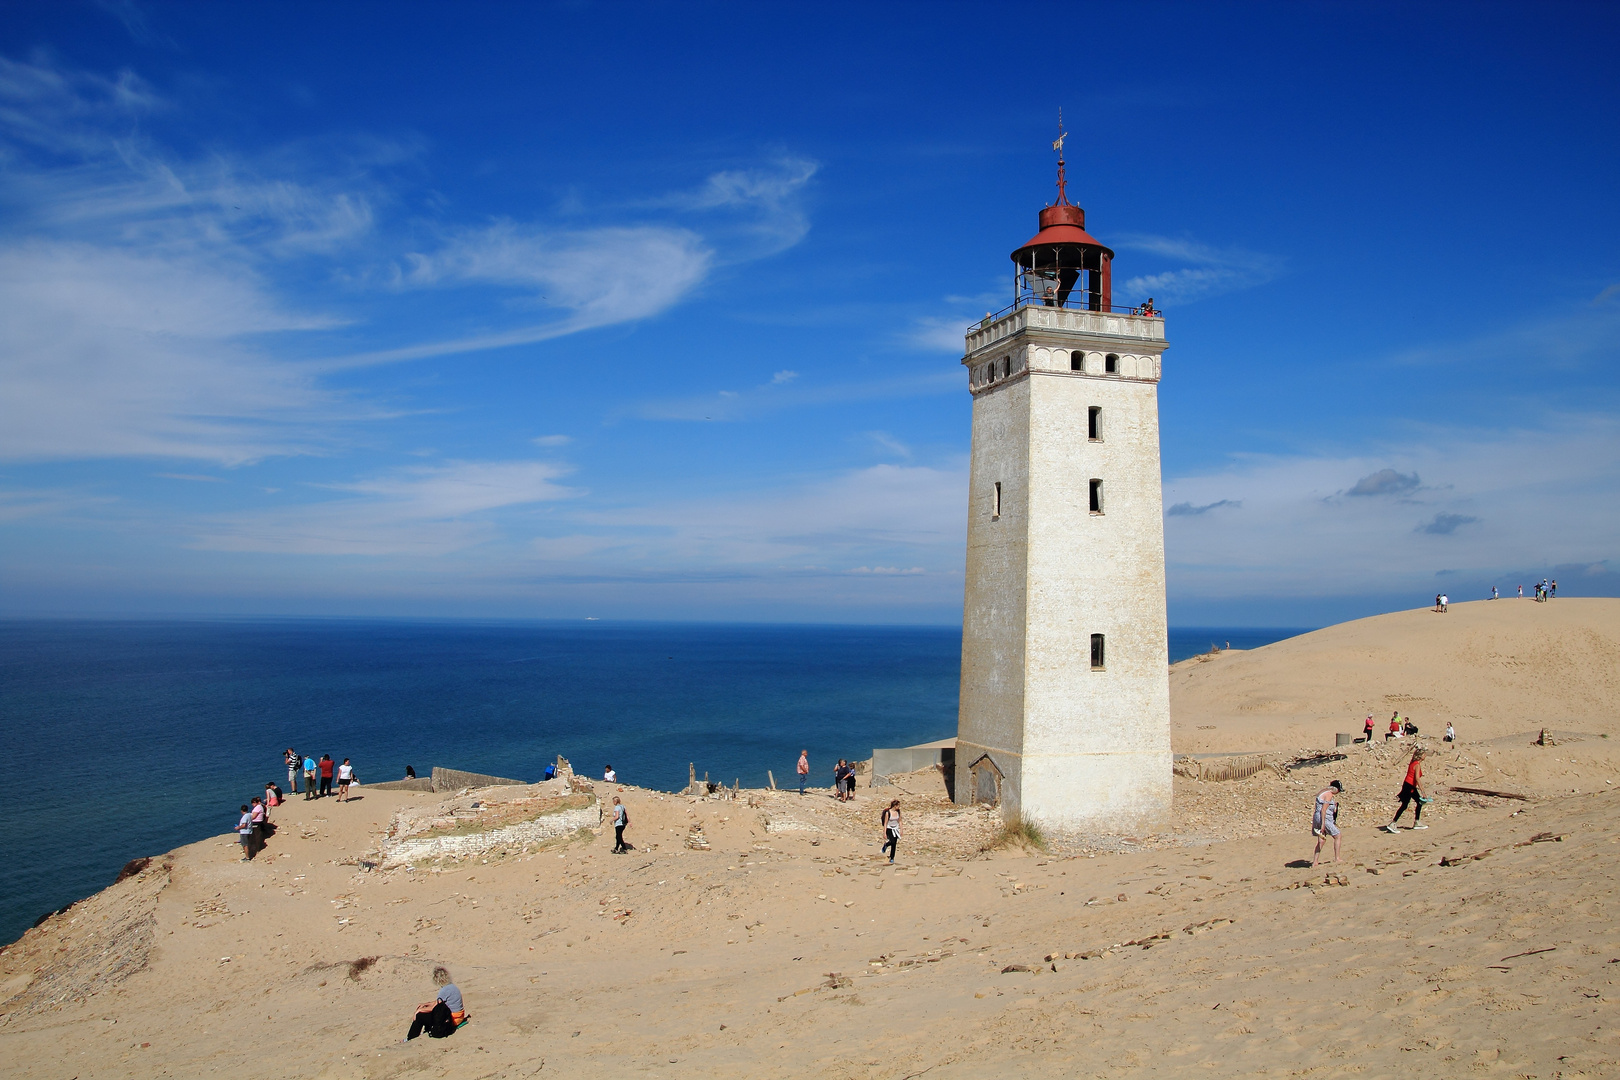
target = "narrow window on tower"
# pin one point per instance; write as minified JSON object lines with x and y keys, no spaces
{"x":1111,"y":363}
{"x":1094,"y":423}
{"x":1077,"y":361}
{"x":1096,"y":497}
{"x":995,"y":507}
{"x":1096,"y":652}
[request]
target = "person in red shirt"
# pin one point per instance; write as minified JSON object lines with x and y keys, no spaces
{"x":326,"y":774}
{"x":1411,"y":792}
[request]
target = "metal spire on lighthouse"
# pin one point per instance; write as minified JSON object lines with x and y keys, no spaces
{"x":1062,"y":180}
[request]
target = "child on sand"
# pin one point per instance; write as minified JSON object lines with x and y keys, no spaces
{"x":1324,"y":819}
{"x":1411,"y":792}
{"x":891,"y":829}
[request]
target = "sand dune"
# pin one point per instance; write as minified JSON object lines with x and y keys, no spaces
{"x":1491,"y":667}
{"x":1486,"y":945}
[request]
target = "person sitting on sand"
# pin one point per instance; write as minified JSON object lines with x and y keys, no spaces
{"x":609,"y":775}
{"x":441,"y":1016}
{"x":272,"y":794}
{"x":1394,"y":731}
{"x":1324,"y":820}
{"x":1451,"y":732}
{"x":1411,"y":792}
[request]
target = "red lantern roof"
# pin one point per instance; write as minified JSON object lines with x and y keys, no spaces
{"x":1062,"y":223}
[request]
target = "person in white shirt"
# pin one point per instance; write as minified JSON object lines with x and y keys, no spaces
{"x":609,"y":775}
{"x":345,"y":777}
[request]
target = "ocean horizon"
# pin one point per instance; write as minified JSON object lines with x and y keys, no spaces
{"x":134,"y":737}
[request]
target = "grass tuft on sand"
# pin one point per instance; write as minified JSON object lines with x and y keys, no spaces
{"x":1020,"y":832}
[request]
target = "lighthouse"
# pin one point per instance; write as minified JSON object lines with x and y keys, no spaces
{"x":1065,"y":699}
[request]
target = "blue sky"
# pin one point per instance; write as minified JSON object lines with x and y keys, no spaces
{"x":654,"y":310}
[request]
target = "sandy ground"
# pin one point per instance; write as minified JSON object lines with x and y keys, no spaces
{"x":1471,"y":948}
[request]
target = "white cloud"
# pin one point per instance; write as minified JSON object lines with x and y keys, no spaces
{"x":1490,"y":502}
{"x":110,"y":353}
{"x":767,"y":214}
{"x":1212,"y":271}
{"x":883,"y":513}
{"x":552,"y":440}
{"x":423,"y":511}
{"x":784,"y":376}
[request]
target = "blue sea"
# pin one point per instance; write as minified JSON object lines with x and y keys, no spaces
{"x":126,"y":739}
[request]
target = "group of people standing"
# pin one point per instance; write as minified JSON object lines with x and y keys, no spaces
{"x":319,"y":775}
{"x":254,"y":827}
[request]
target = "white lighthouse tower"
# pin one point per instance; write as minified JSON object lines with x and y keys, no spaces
{"x":1065,"y":703}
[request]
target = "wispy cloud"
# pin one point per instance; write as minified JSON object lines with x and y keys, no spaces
{"x":424,"y":511}
{"x":592,"y":278}
{"x":146,"y":297}
{"x":1209,"y":271}
{"x":763,"y":208}
{"x":1187,"y":509}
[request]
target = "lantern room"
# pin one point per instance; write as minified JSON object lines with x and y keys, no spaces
{"x":1063,"y":265}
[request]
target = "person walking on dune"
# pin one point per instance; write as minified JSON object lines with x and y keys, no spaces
{"x":1324,"y":820}
{"x":621,"y":818}
{"x":1411,"y":792}
{"x":804,"y":769}
{"x":891,"y":829}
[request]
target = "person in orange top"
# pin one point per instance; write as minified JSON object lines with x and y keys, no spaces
{"x":1411,"y":792}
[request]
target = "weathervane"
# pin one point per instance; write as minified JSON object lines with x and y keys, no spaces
{"x":1057,"y":144}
